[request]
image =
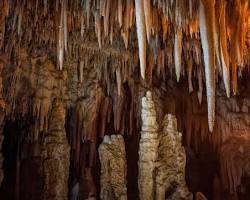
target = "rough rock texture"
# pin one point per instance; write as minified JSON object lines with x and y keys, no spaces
{"x":103,"y":84}
{"x":162,"y":157}
{"x":113,"y":178}
{"x":148,"y":148}
{"x":235,"y":163}
{"x":55,"y":156}
{"x":171,"y":163}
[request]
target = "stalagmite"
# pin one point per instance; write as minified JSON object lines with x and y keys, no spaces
{"x":147,"y":148}
{"x":207,"y":28}
{"x":98,"y":45}
{"x":171,"y":163}
{"x":55,"y":156}
{"x":223,"y":48}
{"x":113,"y":168}
{"x":141,"y":35}
{"x":178,"y":53}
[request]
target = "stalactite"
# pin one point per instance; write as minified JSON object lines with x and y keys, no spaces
{"x":178,"y":53}
{"x":234,"y":48}
{"x":98,"y":28}
{"x":120,"y":12}
{"x":80,"y":76}
{"x":190,"y":71}
{"x":148,"y":17}
{"x":20,"y":16}
{"x":207,"y":28}
{"x":65,"y":25}
{"x":118,"y":80}
{"x":200,"y":83}
{"x":60,"y":53}
{"x":107,"y":18}
{"x":88,"y":11}
{"x":141,"y":35}
{"x":223,"y":48}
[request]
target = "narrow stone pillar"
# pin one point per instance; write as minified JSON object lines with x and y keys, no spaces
{"x":113,"y":168}
{"x":171,"y":162}
{"x":55,"y":157}
{"x":148,"y":148}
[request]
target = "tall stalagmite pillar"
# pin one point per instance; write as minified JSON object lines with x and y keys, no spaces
{"x":113,"y":168}
{"x":55,"y":156}
{"x":148,"y":148}
{"x":171,"y":162}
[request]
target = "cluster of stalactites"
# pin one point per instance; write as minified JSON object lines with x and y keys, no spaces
{"x":220,"y":27}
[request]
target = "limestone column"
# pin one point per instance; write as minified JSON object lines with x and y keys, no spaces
{"x":55,"y":157}
{"x":148,"y":148}
{"x":113,"y":168}
{"x":171,"y":162}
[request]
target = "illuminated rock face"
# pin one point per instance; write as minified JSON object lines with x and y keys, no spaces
{"x":113,"y":179}
{"x":55,"y":157}
{"x":162,"y":157}
{"x":171,"y":162}
{"x":148,"y":148}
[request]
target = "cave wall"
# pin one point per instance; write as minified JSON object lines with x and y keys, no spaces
{"x":101,"y":90}
{"x":95,"y":108}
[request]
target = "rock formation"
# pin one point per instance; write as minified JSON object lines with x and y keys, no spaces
{"x":171,"y":163}
{"x":235,"y":162}
{"x":55,"y":156}
{"x":162,"y":157}
{"x":113,"y":178}
{"x":148,"y":148}
{"x":98,"y":57}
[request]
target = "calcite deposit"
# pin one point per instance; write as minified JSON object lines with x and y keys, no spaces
{"x":113,"y":178}
{"x":148,"y":148}
{"x":171,"y":163}
{"x":162,"y":157}
{"x":55,"y":156}
{"x":84,"y":66}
